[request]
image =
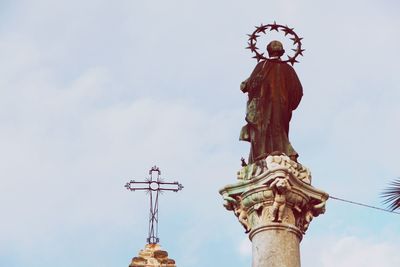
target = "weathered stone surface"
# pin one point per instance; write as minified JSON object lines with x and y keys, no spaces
{"x":276,"y":245}
{"x":152,"y":256}
{"x":275,"y":203}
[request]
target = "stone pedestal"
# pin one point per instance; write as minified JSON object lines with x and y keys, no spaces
{"x":275,"y":203}
{"x":152,"y":256}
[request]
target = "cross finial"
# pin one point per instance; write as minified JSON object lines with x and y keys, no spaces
{"x":153,"y":186}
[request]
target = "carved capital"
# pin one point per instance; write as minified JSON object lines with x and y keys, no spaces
{"x":274,"y":191}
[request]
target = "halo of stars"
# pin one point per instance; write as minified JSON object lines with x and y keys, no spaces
{"x":252,"y":41}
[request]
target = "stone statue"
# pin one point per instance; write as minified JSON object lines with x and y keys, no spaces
{"x":236,"y":205}
{"x":280,"y":187}
{"x":241,"y":213}
{"x":273,"y":198}
{"x":274,"y":91}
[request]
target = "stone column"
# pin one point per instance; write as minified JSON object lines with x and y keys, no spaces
{"x":152,"y":256}
{"x":275,"y":203}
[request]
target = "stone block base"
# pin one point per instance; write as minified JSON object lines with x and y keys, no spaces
{"x":152,"y":256}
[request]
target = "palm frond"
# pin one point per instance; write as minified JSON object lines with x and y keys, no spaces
{"x":391,"y":195}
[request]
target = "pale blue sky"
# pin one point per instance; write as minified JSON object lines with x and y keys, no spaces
{"x":94,"y":93}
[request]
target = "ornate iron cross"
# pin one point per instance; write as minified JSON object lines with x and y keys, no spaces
{"x":156,"y":187}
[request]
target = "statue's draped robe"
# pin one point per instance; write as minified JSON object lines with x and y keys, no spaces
{"x":274,"y":91}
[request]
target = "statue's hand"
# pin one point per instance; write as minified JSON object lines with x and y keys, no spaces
{"x":243,"y":86}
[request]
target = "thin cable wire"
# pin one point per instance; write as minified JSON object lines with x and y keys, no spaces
{"x":363,"y":205}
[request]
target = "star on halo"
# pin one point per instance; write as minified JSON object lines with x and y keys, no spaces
{"x":296,"y":40}
{"x":274,"y":27}
{"x":259,"y":56}
{"x":253,"y":37}
{"x":292,"y":60}
{"x":262,"y":28}
{"x":288,"y":30}
{"x":252,"y":47}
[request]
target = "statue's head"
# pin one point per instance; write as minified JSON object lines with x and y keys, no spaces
{"x":275,"y":49}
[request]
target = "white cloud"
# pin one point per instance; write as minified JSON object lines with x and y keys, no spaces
{"x":352,"y":251}
{"x":69,"y":154}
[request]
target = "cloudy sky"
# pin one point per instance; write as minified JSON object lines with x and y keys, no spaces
{"x":94,"y":93}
